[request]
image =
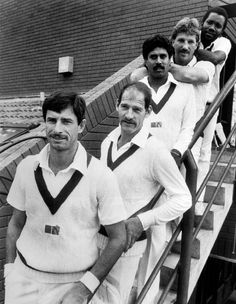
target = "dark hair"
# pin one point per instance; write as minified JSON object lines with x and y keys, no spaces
{"x":157,"y":41}
{"x":218,"y":10}
{"x":141,"y":87}
{"x":60,"y":100}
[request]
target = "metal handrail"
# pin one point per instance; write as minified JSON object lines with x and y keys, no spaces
{"x":182,"y":293}
{"x":210,"y":203}
{"x":212,"y":109}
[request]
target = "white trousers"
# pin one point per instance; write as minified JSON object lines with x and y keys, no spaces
{"x":20,"y":289}
{"x":157,"y":241}
{"x":123,"y":273}
{"x":205,"y":153}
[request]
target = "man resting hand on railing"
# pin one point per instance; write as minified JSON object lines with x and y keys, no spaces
{"x":141,"y":164}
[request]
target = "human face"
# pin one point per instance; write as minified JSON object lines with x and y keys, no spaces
{"x":132,"y":112}
{"x":62,"y":129}
{"x":158,"y":63}
{"x":213,"y":27}
{"x":185,"y":45}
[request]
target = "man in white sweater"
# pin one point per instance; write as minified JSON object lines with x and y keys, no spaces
{"x":141,"y":164}
{"x":59,"y":201}
{"x":174,"y":122}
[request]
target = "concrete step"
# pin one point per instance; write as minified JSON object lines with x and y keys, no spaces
{"x":219,"y":170}
{"x":220,"y":197}
{"x":207,"y":239}
{"x":225,"y":157}
{"x":195,"y":248}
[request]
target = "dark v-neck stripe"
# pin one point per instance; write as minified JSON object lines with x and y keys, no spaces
{"x":112,"y":165}
{"x":157,"y":107}
{"x":54,"y":204}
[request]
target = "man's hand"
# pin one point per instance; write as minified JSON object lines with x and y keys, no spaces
{"x":134,"y":229}
{"x":78,"y":294}
{"x":177,"y":157}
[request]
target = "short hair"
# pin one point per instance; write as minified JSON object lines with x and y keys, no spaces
{"x":218,"y":10}
{"x":59,"y":101}
{"x":157,"y":41}
{"x":188,"y":26}
{"x":141,"y":87}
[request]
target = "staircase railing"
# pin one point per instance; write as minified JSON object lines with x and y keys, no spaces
{"x":183,"y":266}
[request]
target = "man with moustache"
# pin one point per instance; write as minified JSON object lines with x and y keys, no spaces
{"x":51,"y":247}
{"x":174,"y":122}
{"x":141,"y":163}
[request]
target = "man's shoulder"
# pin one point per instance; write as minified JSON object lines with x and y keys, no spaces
{"x":154,"y":145}
{"x":221,"y":43}
{"x":28,"y":162}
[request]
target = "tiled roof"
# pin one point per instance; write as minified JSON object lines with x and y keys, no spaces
{"x":20,"y":111}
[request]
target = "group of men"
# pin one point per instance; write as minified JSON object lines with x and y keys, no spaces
{"x":73,"y":218}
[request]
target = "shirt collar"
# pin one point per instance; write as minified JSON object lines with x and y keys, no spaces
{"x":191,"y":63}
{"x":79,"y":163}
{"x":139,"y":139}
{"x":169,"y":80}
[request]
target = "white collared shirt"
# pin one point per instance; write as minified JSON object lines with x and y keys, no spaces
{"x":175,"y":122}
{"x":95,"y":200}
{"x":140,"y":175}
{"x":220,"y":44}
{"x":202,"y":91}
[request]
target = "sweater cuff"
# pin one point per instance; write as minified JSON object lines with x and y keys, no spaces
{"x":147,"y":219}
{"x":90,"y":281}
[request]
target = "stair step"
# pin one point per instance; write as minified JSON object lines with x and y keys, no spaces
{"x":219,"y":170}
{"x":195,"y":248}
{"x":207,"y":239}
{"x":220,"y":196}
{"x":225,"y":157}
{"x":208,"y":221}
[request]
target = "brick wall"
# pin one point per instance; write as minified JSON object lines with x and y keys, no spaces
{"x":102,"y":36}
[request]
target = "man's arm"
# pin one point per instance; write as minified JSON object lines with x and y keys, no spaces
{"x":82,"y":290}
{"x":138,"y":74}
{"x":14,"y":229}
{"x":178,"y":198}
{"x":216,"y":57}
{"x":194,"y":75}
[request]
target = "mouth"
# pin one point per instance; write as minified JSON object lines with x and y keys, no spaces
{"x":184,"y":53}
{"x":158,"y":69}
{"x":57,"y":137}
{"x":209,"y":34}
{"x":129,"y":123}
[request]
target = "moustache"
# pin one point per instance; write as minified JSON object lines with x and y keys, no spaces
{"x":129,"y":121}
{"x":158,"y":66}
{"x":57,"y":136}
{"x":184,"y":51}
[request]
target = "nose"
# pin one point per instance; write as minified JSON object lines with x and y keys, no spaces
{"x":185,"y":45}
{"x":212,"y":27}
{"x":129,"y":114}
{"x":58,"y":127}
{"x":158,"y":59}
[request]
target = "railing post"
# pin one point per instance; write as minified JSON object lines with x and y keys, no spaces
{"x":187,"y":231}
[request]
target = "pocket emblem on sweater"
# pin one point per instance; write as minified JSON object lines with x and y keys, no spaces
{"x":52,"y":229}
{"x":156,"y":124}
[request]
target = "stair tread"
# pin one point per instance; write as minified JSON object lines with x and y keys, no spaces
{"x":207,"y":239}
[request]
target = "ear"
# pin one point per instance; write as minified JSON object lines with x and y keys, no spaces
{"x":82,"y":126}
{"x":117,"y":105}
{"x":148,"y":111}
